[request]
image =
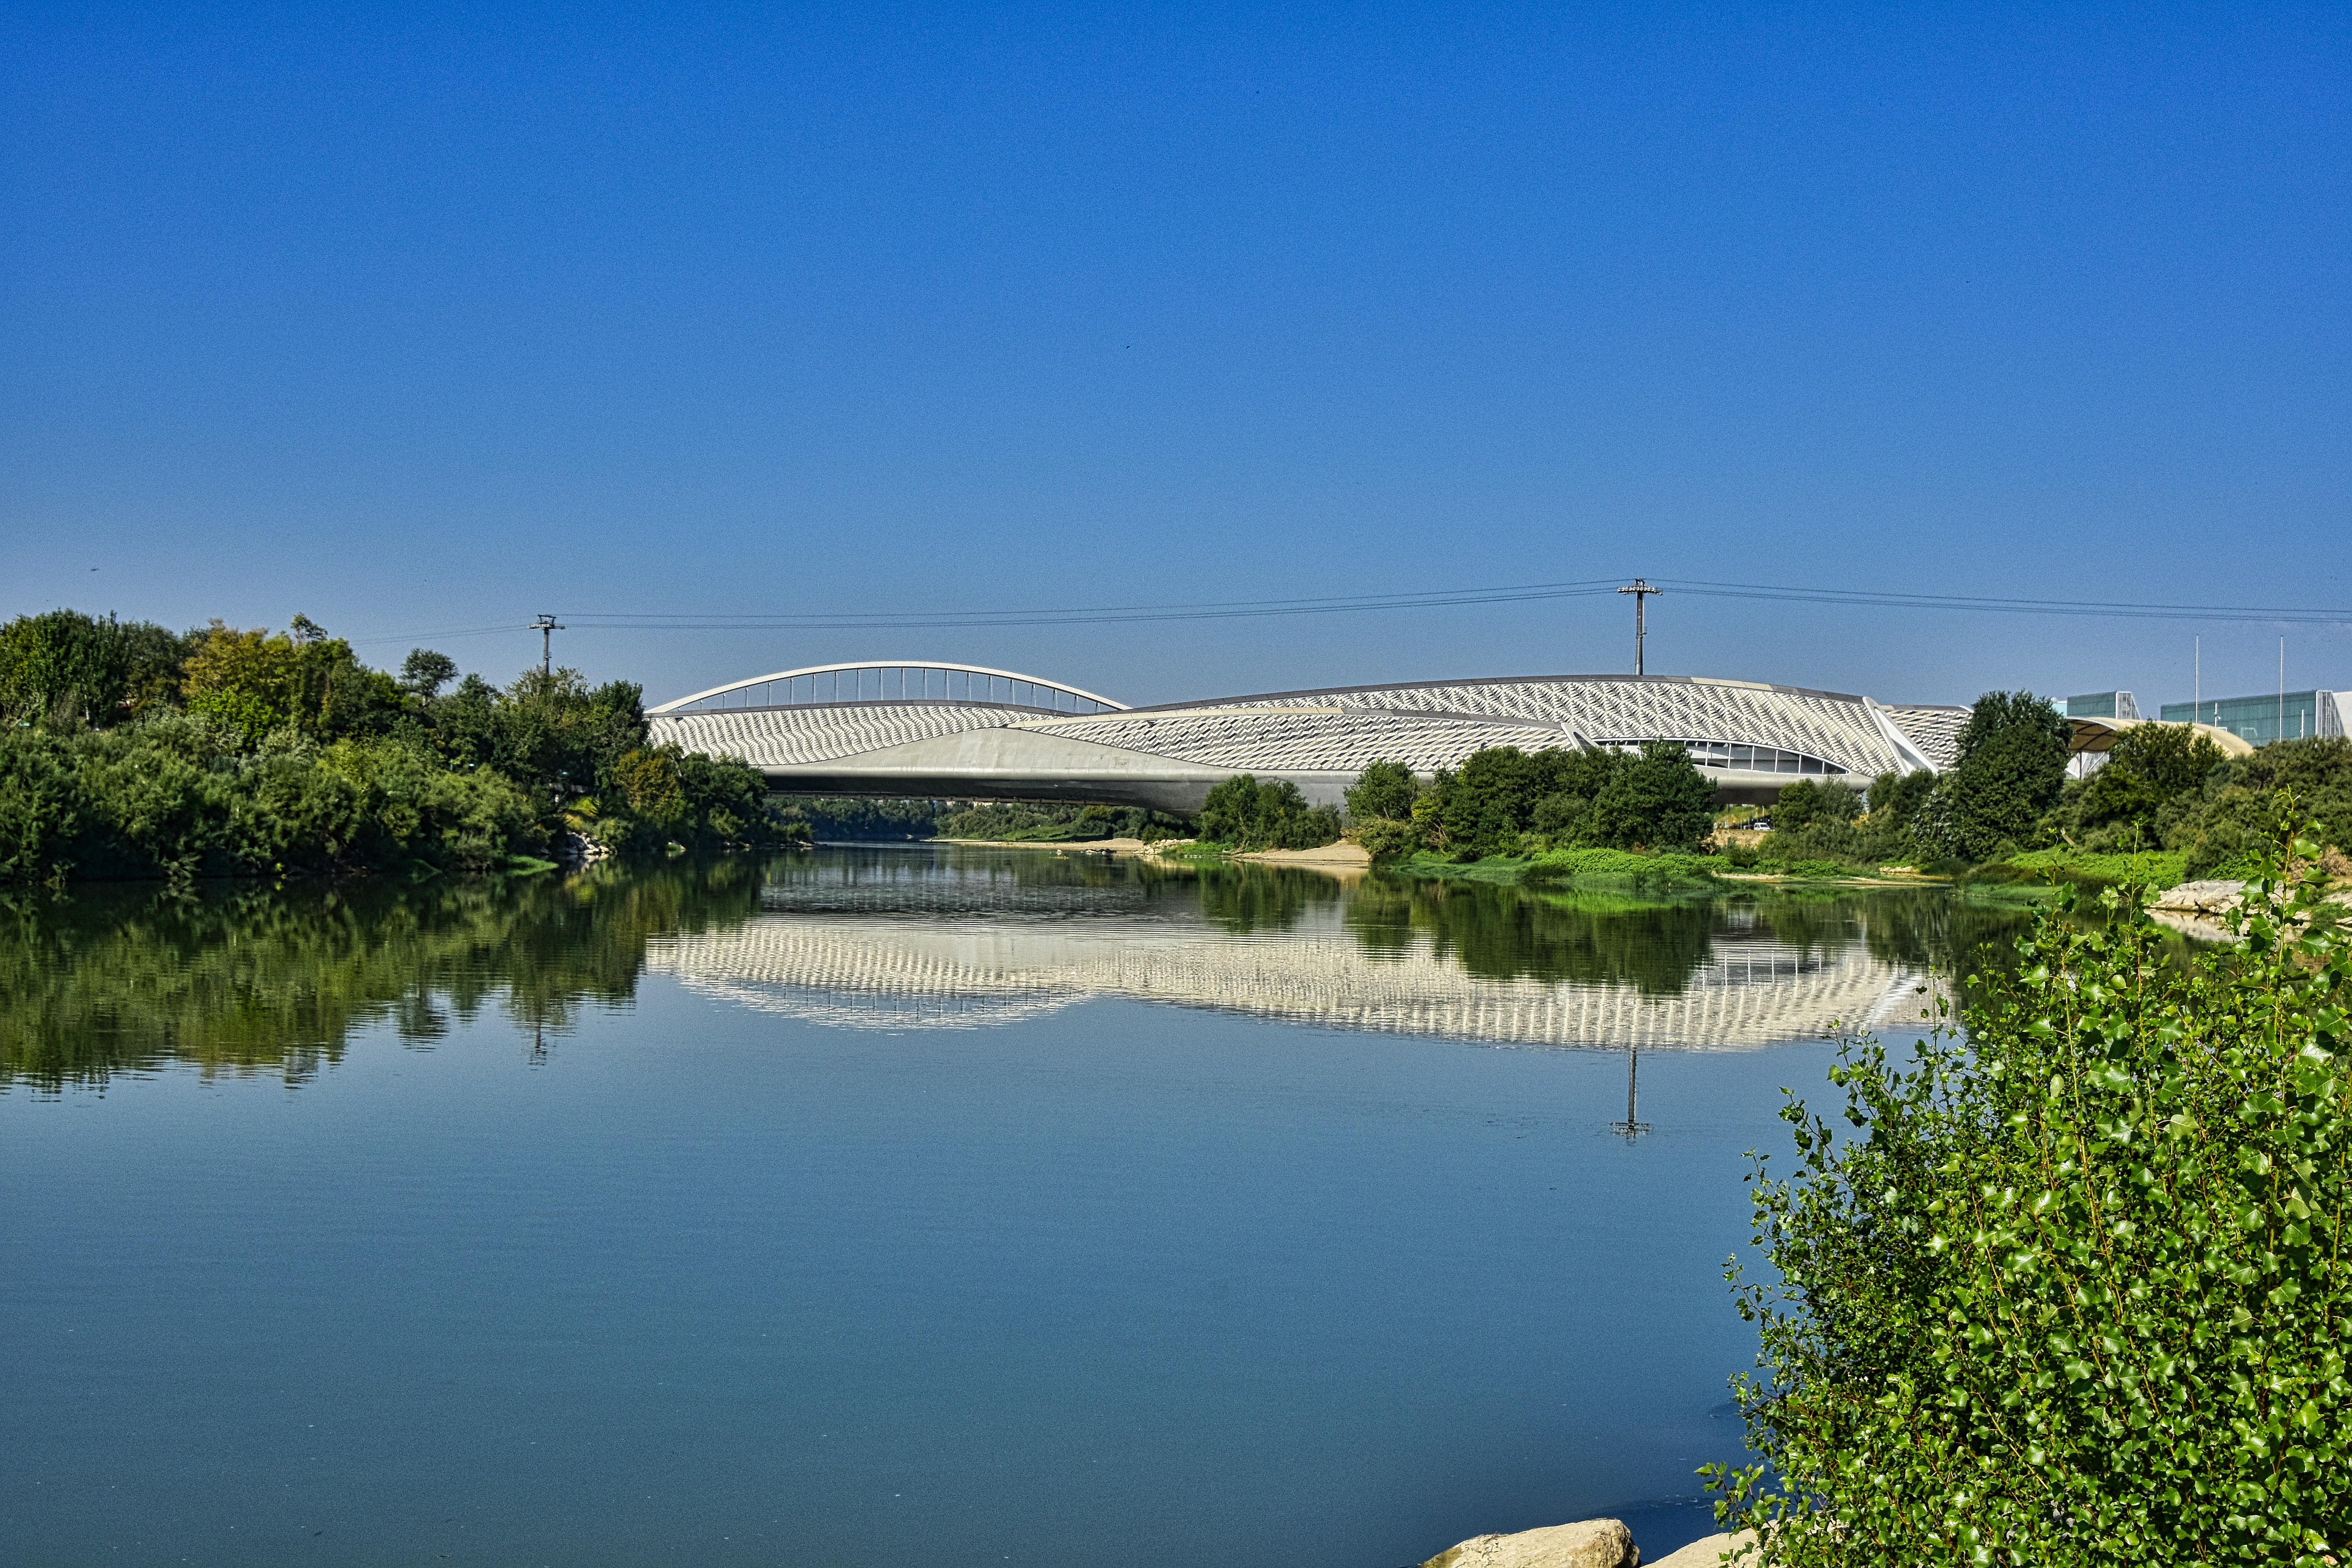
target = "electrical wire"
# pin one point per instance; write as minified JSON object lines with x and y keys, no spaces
{"x":1425,"y":599}
{"x":1888,"y":599}
{"x":1212,"y":610}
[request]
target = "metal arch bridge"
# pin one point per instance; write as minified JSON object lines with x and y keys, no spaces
{"x":894,"y":680}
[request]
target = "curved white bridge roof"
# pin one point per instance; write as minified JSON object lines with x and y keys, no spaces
{"x":968,"y":732}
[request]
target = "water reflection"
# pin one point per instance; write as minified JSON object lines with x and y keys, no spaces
{"x":960,"y":940}
{"x":264,"y":980}
{"x":276,"y":980}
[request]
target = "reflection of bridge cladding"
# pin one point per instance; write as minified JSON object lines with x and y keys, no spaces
{"x":887,"y":972}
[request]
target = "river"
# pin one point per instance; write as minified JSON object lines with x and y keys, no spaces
{"x":903,"y":1205}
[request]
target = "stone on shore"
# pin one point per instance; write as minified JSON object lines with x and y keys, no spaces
{"x":1706,"y":1554}
{"x":1592,"y":1543}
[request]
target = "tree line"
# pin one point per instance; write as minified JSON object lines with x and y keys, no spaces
{"x":1501,"y":801}
{"x":130,"y":751}
{"x":2163,"y":787}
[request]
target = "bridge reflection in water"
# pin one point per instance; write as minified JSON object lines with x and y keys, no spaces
{"x":935,"y":944}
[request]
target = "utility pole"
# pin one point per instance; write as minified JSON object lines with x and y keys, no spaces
{"x":1630,"y":1127}
{"x":1641,"y":590}
{"x":546,"y":626}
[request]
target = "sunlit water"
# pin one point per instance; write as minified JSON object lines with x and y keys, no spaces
{"x":891,"y":1206}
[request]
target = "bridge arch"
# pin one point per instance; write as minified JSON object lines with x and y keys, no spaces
{"x":893,"y":680}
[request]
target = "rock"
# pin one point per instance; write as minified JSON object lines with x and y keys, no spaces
{"x":2208,"y":898}
{"x":1706,"y":1554}
{"x":1593,"y":1543}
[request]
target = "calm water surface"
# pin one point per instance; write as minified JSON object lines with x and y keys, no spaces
{"x":914,"y":1206}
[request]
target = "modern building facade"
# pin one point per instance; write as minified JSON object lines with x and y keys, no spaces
{"x":2274,"y":716}
{"x":2099,"y":705}
{"x":962,"y":732}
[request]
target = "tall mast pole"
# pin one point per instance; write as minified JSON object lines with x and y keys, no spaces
{"x":547,"y":626}
{"x":1641,"y":590}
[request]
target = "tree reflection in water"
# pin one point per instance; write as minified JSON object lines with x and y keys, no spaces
{"x":275,"y":980}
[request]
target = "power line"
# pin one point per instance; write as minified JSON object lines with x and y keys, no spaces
{"x":1424,"y":599}
{"x":1088,"y":615}
{"x":1890,"y":599}
{"x":456,"y":632}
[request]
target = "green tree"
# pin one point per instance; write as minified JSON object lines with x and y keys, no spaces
{"x":257,"y":681}
{"x":1247,"y":812}
{"x":64,"y":666}
{"x":2148,"y":768}
{"x":2073,"y":1289}
{"x":424,"y":672}
{"x":1808,"y":801}
{"x":1896,"y":799}
{"x":2224,"y":822}
{"x":1385,"y":791}
{"x":2012,"y":769}
{"x":1492,"y":801}
{"x":1659,"y":801}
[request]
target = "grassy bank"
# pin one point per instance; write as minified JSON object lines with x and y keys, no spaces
{"x":1632,"y":869}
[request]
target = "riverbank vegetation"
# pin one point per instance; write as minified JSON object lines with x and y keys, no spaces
{"x":1505,"y":801}
{"x":2071,"y":1289}
{"x":2166,"y":804}
{"x":1020,"y":822}
{"x":129,"y":751}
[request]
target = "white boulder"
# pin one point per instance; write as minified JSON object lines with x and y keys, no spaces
{"x":1591,"y":1543}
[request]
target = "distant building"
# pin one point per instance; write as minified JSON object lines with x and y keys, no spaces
{"x":2101,"y":705}
{"x":2259,"y":721}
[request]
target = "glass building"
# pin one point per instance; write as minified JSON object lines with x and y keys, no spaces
{"x":2297,"y":715}
{"x":2099,"y":705}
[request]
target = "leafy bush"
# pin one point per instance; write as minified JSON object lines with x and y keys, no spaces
{"x":2076,"y":1290}
{"x":1657,"y":801}
{"x":1384,"y":839}
{"x":2225,"y":821}
{"x":1621,"y":866}
{"x":1384,"y":790}
{"x":1504,"y":801}
{"x":1808,"y":801}
{"x":2148,"y":768}
{"x":179,"y":796}
{"x":1245,"y":813}
{"x":69,"y":668}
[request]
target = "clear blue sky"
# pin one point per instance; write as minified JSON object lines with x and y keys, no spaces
{"x":419,"y":319}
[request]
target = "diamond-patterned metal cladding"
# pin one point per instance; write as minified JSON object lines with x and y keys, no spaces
{"x":788,"y":737}
{"x":1935,"y":730}
{"x":1836,"y":728}
{"x":1427,"y":725}
{"x":1304,"y":739}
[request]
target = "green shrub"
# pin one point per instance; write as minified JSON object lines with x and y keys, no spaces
{"x":1245,"y":813}
{"x":2227,"y":820}
{"x":1658,"y":801}
{"x":1384,"y":839}
{"x":1384,"y":790}
{"x":1621,"y":866}
{"x":2077,"y":1290}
